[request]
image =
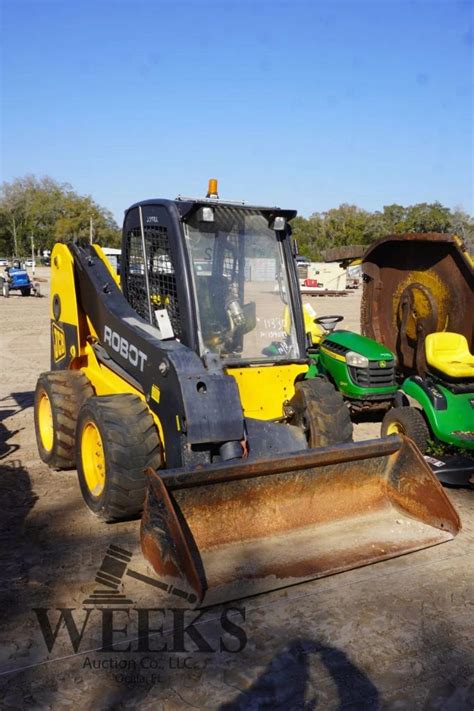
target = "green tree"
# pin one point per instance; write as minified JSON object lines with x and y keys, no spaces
{"x":344,"y":225}
{"x":422,"y":217}
{"x":428,"y":217}
{"x":462,"y":224}
{"x":393,"y":219}
{"x":80,"y":216}
{"x":349,"y":224}
{"x":309,"y":236}
{"x":47,"y":210}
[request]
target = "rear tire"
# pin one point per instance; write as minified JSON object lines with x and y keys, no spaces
{"x":116,"y":440}
{"x":59,"y":396}
{"x":321,"y":411}
{"x":407,"y":421}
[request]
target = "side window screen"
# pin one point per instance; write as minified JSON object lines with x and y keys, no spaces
{"x":134,"y":274}
{"x":160,"y":271}
{"x":161,"y":275}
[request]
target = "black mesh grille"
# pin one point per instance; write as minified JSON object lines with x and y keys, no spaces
{"x":336,"y":347}
{"x":161,"y":275}
{"x":374,"y":376}
{"x":134,"y":274}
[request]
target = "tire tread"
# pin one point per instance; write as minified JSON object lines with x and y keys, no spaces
{"x":328,"y":414}
{"x":412,"y":422}
{"x":131,"y":444}
{"x":67,"y":391}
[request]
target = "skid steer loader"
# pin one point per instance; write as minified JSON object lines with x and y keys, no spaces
{"x":165,"y":397}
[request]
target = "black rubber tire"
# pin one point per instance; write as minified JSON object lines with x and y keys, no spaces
{"x":67,"y":391}
{"x":130,"y":444}
{"x":321,"y":411}
{"x":410,"y":422}
{"x":26,"y":291}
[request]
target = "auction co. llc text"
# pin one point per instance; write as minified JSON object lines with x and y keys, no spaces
{"x":145,"y":669}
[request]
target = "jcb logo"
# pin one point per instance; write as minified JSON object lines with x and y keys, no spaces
{"x":59,"y":343}
{"x":127,"y":350}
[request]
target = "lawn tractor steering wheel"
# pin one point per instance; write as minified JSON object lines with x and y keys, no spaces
{"x":328,"y":322}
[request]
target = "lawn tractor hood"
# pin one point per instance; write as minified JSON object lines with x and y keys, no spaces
{"x":356,"y":350}
{"x":369,"y":366}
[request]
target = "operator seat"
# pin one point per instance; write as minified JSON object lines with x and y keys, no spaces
{"x":448,"y":354}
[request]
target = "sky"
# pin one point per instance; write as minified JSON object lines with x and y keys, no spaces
{"x":304,"y":105}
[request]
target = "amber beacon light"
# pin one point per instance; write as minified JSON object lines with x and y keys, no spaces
{"x":212,"y":188}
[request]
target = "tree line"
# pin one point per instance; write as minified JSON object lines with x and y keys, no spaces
{"x":349,"y":224}
{"x":50,"y":211}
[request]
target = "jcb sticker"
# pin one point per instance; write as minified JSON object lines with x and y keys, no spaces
{"x":59,"y":342}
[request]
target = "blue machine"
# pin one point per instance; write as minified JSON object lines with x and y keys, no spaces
{"x":17,"y":279}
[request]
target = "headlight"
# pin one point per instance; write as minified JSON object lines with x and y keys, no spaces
{"x":356,"y":360}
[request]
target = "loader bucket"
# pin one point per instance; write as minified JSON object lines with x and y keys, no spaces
{"x":416,"y":284}
{"x":228,"y":531}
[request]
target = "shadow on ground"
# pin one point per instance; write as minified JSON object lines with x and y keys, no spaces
{"x":23,"y":400}
{"x":285,"y":682}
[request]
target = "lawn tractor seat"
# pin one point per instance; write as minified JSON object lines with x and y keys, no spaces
{"x":311,"y":326}
{"x":448,"y":353}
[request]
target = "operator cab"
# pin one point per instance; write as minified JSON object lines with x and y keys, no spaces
{"x":241,"y":284}
{"x":218,"y":276}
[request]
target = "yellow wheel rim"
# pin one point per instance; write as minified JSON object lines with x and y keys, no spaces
{"x":45,"y":422}
{"x":395,"y":428}
{"x":93,"y":459}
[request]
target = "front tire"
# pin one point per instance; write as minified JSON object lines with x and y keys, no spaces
{"x":59,"y":396}
{"x":116,"y":441}
{"x":26,"y":291}
{"x":321,"y":411}
{"x":407,"y":421}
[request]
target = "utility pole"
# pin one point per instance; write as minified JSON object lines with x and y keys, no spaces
{"x":33,"y":267}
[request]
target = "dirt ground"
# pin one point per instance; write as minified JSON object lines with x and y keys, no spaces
{"x":394,"y":635}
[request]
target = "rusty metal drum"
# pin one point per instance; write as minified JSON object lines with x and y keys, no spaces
{"x":416,"y":284}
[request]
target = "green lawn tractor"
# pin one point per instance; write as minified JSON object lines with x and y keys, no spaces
{"x":417,"y":300}
{"x":438,"y":409}
{"x":359,"y":367}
